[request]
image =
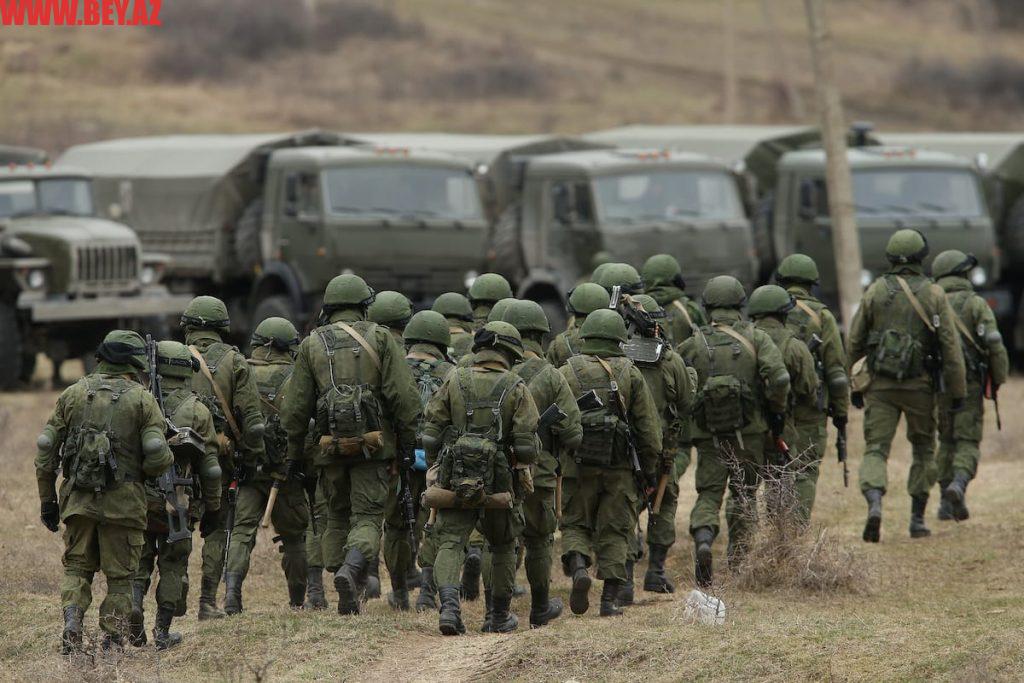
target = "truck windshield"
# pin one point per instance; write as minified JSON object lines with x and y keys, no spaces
{"x":667,"y":195}
{"x":917,"y":192}
{"x":61,"y":196}
{"x":416,"y":191}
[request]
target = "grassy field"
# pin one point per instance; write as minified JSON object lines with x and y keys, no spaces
{"x":949,"y":608}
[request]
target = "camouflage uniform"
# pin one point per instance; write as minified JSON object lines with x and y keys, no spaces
{"x":459,"y":313}
{"x":583,"y":300}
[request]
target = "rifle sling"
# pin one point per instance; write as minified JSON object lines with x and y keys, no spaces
{"x":686,"y":313}
{"x":811,"y":313}
{"x":966,"y":333}
{"x":915,"y":303}
{"x":611,"y":378}
{"x":747,"y":344}
{"x":228,"y":415}
{"x":362,"y":342}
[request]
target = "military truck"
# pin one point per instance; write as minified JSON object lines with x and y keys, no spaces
{"x":67,"y":276}
{"x":10,"y":154}
{"x":265,"y":221}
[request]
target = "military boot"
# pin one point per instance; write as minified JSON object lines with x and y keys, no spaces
{"x":398,"y":598}
{"x":71,"y":638}
{"x":232,"y":593}
{"x":626,"y":587}
{"x":112,"y":642}
{"x":371,"y":581}
{"x":471,"y":573}
{"x":347,"y":580}
{"x":162,"y":634}
{"x":208,"y":600}
{"x":917,"y":507}
{"x":703,"y":570}
{"x":955,"y":494}
{"x":487,"y":626}
{"x":543,"y":608}
{"x":427,"y":599}
{"x":579,"y":598}
{"x":137,"y":618}
{"x":609,"y":598}
{"x":296,"y":594}
{"x":873,"y":525}
{"x":413,"y":578}
{"x":182,"y":607}
{"x":945,"y":511}
{"x":450,"y":620}
{"x":315,"y":597}
{"x":502,"y":619}
{"x":655,"y":580}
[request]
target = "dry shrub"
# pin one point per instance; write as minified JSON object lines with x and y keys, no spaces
{"x":993,"y":82}
{"x":337,"y":20}
{"x":507,"y":70}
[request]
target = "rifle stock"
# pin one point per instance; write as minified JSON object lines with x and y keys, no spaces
{"x":841,"y":454}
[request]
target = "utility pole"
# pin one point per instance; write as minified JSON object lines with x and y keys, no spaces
{"x":845,"y":240}
{"x":730,"y":108}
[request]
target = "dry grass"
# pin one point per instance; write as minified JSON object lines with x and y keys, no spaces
{"x":949,"y":608}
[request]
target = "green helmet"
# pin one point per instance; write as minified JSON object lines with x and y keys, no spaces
{"x":124,"y":347}
{"x":453,"y":305}
{"x":527,"y":316}
{"x":276,"y":332}
{"x":769,"y":300}
{"x":662,"y":269}
{"x":489,"y":288}
{"x":906,"y":246}
{"x":798,"y":268}
{"x":724,"y":291}
{"x":500,"y":308}
{"x":587,"y":298}
{"x":348,"y":290}
{"x":174,"y":360}
{"x":499,"y":334}
{"x":649,"y":305}
{"x":953,"y":262}
{"x":428,"y":327}
{"x":604,"y":323}
{"x":623,"y":274}
{"x":206,"y":312}
{"x":391,"y":309}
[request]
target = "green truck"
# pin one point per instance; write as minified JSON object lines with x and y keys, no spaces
{"x":265,"y":221}
{"x":66,"y":275}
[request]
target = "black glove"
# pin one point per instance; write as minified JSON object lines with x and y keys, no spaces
{"x":857,"y":399}
{"x":293,"y":471}
{"x":49,"y":514}
{"x":209,"y":523}
{"x":839,"y":421}
{"x":957,"y":405}
{"x":777,"y":423}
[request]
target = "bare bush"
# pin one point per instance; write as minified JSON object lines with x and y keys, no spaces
{"x":337,"y":20}
{"x":993,"y":82}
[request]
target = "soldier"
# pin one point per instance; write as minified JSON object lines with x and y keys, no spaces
{"x":106,"y":434}
{"x":557,"y":435}
{"x":673,"y":389}
{"x":906,"y":330}
{"x":583,"y":300}
{"x":459,"y":314}
{"x":351,"y":376}
{"x":620,"y":275}
{"x":816,"y":327}
{"x":741,"y":378}
{"x":602,"y":496}
{"x":392,"y":310}
{"x":663,"y":280}
{"x":487,"y":290}
{"x":768,"y":307}
{"x":987,"y":367}
{"x":426,"y":339}
{"x":226,"y":386}
{"x":272,"y":357}
{"x":493,"y":421}
{"x":175,"y":366}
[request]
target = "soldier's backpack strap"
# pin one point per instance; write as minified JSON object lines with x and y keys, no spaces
{"x":742,"y":339}
{"x":915,"y":303}
{"x":614,"y":385}
{"x":362,"y":342}
{"x":686,"y":314}
{"x":228,"y":413}
{"x":811,"y":313}
{"x":966,"y":333}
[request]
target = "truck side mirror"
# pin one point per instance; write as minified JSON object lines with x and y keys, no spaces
{"x":807,"y":209}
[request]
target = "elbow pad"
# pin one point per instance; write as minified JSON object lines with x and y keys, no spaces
{"x":153,"y":443}
{"x":525,"y":447}
{"x":431,"y":443}
{"x":212,"y":472}
{"x":781,"y":380}
{"x":257,"y":430}
{"x":838,"y":383}
{"x":993,"y":339}
{"x":46,"y":440}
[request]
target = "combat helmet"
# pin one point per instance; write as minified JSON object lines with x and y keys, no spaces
{"x":953,"y":262}
{"x":798,"y":268}
{"x":604,"y":323}
{"x":499,"y":309}
{"x":501,"y":335}
{"x":621,"y":274}
{"x":173,"y":359}
{"x":276,"y":332}
{"x":124,"y":347}
{"x":489,"y":288}
{"x":348,"y":291}
{"x":769,"y":300}
{"x":527,"y":317}
{"x":453,"y":305}
{"x":587,"y":298}
{"x":662,"y":270}
{"x":206,"y":313}
{"x":428,"y":327}
{"x":723,"y":291}
{"x":390,"y":308}
{"x":906,"y":246}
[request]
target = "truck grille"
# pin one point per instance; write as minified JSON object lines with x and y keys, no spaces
{"x":107,"y":265}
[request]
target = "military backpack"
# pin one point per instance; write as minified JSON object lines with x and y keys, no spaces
{"x":92,"y":458}
{"x":604,"y":433}
{"x":726,"y":403}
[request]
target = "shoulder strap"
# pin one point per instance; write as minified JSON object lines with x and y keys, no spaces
{"x":811,"y":313}
{"x":228,"y":414}
{"x":362,"y":342}
{"x":614,"y":385}
{"x":747,"y":344}
{"x":966,"y":333}
{"x":682,"y":309}
{"x":915,"y":303}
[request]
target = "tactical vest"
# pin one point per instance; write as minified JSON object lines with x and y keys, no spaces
{"x":665,"y":393}
{"x":898,"y":344}
{"x":270,"y":381}
{"x":428,"y":375}
{"x":975,"y":354}
{"x":805,"y":322}
{"x":727,"y":401}
{"x":100,"y":453}
{"x":180,"y":409}
{"x":528,"y":371}
{"x":216,"y":356}
{"x":605,"y":436}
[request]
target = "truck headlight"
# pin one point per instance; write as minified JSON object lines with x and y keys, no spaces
{"x":979,"y":277}
{"x":866,"y":278}
{"x":147,"y":275}
{"x":36,"y":279}
{"x":469,"y":278}
{"x":152,"y":272}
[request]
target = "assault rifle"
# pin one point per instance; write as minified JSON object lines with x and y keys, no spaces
{"x":638,"y":321}
{"x":405,"y":468}
{"x":841,"y":454}
{"x":814,"y":345}
{"x":634,"y":459}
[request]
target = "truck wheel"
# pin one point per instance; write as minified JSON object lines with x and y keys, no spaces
{"x":508,"y":253}
{"x":247,"y":236}
{"x":11,"y":349}
{"x":277,"y":306}
{"x":28,"y":364}
{"x":763,"y":238}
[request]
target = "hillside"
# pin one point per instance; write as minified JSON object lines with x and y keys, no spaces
{"x":494,"y":65}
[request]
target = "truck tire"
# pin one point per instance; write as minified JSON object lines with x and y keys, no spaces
{"x":247,"y":236}
{"x":508,"y":253}
{"x":276,"y":306}
{"x":764,"y":243}
{"x":11,"y":348}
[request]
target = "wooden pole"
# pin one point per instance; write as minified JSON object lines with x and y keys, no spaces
{"x":845,"y":240}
